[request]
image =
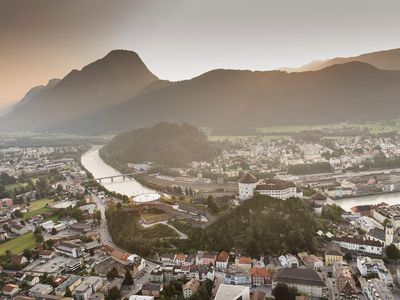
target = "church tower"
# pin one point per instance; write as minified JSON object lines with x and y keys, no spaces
{"x":389,"y":234}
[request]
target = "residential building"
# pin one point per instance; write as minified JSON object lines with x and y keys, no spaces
{"x":311,"y":261}
{"x":260,"y":276}
{"x":375,"y":289}
{"x":190,"y":288}
{"x":344,"y":281}
{"x":10,"y":289}
{"x":40,"y":290}
{"x":333,"y":254}
{"x":152,"y":289}
{"x":367,"y":265}
{"x":222,"y":260}
{"x":243,"y":262}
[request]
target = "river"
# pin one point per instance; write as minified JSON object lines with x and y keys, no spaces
{"x":130,"y":187}
{"x":92,"y":161}
{"x":348,"y":203}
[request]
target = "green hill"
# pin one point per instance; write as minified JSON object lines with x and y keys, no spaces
{"x":260,"y":226}
{"x":168,"y":144}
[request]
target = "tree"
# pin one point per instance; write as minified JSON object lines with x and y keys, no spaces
{"x":68,"y":293}
{"x":281,"y":292}
{"x":113,"y":294}
{"x":28,"y":254}
{"x":392,"y":252}
{"x":128,"y":280}
{"x":112,"y":274}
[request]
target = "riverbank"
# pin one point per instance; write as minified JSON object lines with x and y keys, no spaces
{"x":348,"y":203}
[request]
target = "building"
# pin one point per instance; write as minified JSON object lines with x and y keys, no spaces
{"x":152,"y":289}
{"x":190,"y":288}
{"x":376,"y":289}
{"x":72,"y":282}
{"x":247,"y":185}
{"x":46,"y":254}
{"x":385,"y":235}
{"x":260,"y":276}
{"x":70,"y":249}
{"x":206,"y":258}
{"x":237,"y":276}
{"x":117,"y":282}
{"x":278,"y":189}
{"x":222,"y":260}
{"x":232,"y":292}
{"x":10,"y":289}
{"x":243,"y":262}
{"x":89,"y":286}
{"x":306,"y":281}
{"x":19,"y":260}
{"x":40,"y":290}
{"x":156,"y":275}
{"x":31,"y":280}
{"x":360,"y":244}
{"x":311,"y":261}
{"x":367,"y":266}
{"x":333,"y":254}
{"x":392,"y":213}
{"x":18,"y":228}
{"x":344,"y":281}
{"x":73,"y":265}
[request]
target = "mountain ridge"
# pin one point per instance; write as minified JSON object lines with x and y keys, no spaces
{"x":119,"y":93}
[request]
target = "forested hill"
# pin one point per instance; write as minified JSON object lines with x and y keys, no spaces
{"x":262,"y":225}
{"x":168,"y":144}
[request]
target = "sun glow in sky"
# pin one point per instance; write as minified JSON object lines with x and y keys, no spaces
{"x":179,"y":39}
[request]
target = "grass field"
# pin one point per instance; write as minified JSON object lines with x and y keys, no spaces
{"x":37,"y":207}
{"x":17,"y":245}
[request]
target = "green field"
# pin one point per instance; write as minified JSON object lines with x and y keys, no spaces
{"x":37,"y":207}
{"x":17,"y":245}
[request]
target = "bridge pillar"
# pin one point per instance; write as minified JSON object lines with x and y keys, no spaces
{"x":99,"y":180}
{"x":123,"y":177}
{"x":112,"y":179}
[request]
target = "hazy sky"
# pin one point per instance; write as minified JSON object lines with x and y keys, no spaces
{"x":178,"y":39}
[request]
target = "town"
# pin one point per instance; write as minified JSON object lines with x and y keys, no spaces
{"x":56,"y":243}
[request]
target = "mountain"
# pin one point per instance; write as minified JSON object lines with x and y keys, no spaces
{"x":167,"y":144}
{"x":117,"y":77}
{"x":118,"y":93}
{"x":229,"y":99}
{"x":386,"y":60}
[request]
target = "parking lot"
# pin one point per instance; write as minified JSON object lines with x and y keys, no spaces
{"x":51,"y":266}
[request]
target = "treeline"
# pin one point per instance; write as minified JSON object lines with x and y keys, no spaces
{"x":127,"y":233}
{"x":261,"y":226}
{"x":304,"y":169}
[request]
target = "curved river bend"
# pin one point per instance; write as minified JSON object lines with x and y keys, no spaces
{"x":130,"y":187}
{"x":92,"y":161}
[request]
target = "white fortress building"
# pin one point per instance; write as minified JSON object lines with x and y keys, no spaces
{"x":249,"y":185}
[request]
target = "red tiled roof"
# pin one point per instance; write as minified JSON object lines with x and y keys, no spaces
{"x":244,"y":260}
{"x":9,"y":288}
{"x":260,"y":272}
{"x":223,"y":256}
